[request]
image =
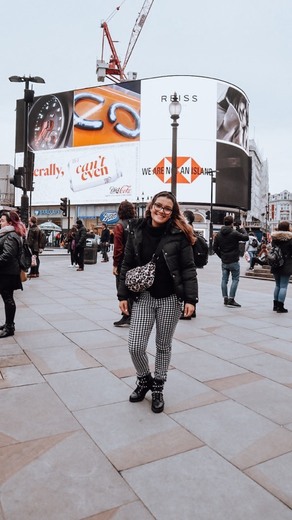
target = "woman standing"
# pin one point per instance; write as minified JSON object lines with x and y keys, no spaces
{"x":283,"y":239}
{"x":11,"y":233}
{"x":72,"y":245}
{"x":174,"y":287}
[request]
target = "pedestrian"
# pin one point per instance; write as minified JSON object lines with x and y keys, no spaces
{"x":12,"y":233}
{"x":190,"y":219}
{"x":282,"y":238}
{"x":80,"y":243}
{"x":174,"y":287}
{"x":105,"y":242}
{"x":252,"y":247}
{"x":126,"y":212}
{"x":71,"y":245}
{"x":260,"y":258}
{"x":226,"y":246}
{"x":36,"y":240}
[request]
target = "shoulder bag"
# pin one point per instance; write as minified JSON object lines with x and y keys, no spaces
{"x":140,"y":278}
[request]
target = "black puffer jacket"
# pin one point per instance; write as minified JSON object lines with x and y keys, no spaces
{"x":177,"y":253}
{"x":80,"y":238}
{"x":226,"y":244}
{"x":283,"y":239}
{"x":10,"y":249}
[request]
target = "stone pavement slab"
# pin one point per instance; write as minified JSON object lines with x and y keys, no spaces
{"x":72,"y":446}
{"x":201,"y":484}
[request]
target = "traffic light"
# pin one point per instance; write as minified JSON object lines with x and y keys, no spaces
{"x":63,"y":206}
{"x":18,"y":178}
{"x":208,"y":215}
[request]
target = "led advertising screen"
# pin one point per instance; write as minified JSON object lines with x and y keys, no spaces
{"x":107,"y":143}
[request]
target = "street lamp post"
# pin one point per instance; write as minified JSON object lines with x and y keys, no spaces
{"x":174,"y":110}
{"x":142,"y":204}
{"x":28,"y":157}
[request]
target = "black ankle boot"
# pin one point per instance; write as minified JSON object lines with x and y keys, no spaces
{"x":275,"y":307}
{"x":157,"y":396}
{"x":5,"y":325}
{"x":281,"y":307}
{"x":8,"y":330}
{"x":144,"y":384}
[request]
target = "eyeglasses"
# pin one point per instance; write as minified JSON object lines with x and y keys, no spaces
{"x":166,"y":209}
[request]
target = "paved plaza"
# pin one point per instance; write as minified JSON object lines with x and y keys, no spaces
{"x":72,"y":446}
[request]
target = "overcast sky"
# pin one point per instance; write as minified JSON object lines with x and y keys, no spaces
{"x":248,"y":44}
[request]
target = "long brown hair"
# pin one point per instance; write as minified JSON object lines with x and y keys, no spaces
{"x":177,"y":218}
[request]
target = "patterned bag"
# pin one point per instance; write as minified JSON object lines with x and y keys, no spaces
{"x":141,"y":278}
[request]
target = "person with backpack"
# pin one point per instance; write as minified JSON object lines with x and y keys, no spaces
{"x":226,"y":246}
{"x":36,"y":240}
{"x":126,"y":212}
{"x":282,"y":239}
{"x":252,"y":247}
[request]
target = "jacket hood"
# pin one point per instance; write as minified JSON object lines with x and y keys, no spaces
{"x":281,"y":235}
{"x":226,"y":230}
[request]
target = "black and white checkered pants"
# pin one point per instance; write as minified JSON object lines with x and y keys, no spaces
{"x":165,"y":312}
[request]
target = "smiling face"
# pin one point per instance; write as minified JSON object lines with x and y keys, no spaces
{"x":161,"y":211}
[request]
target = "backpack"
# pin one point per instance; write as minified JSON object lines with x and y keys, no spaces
{"x":25,"y":256}
{"x":201,"y":251}
{"x":254,"y":243}
{"x":275,"y":257}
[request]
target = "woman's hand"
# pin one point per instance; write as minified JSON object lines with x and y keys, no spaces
{"x":124,"y":307}
{"x":188,"y":310}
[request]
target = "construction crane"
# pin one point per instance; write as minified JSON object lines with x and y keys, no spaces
{"x":115,"y":69}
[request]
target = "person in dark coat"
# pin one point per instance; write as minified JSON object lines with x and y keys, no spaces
{"x":227,"y":247}
{"x":175,"y":287}
{"x":126,"y":212}
{"x":105,"y":242}
{"x":80,"y":243}
{"x":71,"y":245}
{"x":35,"y":240}
{"x":12,"y":233}
{"x":283,"y":239}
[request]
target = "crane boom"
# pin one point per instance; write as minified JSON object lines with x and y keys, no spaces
{"x":115,"y":68}
{"x":137,"y":29}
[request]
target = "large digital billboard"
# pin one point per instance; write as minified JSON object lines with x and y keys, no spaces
{"x":107,"y":143}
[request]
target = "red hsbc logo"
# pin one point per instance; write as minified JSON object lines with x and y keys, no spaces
{"x":187,"y":170}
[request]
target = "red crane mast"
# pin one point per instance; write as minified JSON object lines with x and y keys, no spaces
{"x":115,"y":69}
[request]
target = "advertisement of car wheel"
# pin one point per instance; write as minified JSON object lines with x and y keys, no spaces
{"x":107,"y":143}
